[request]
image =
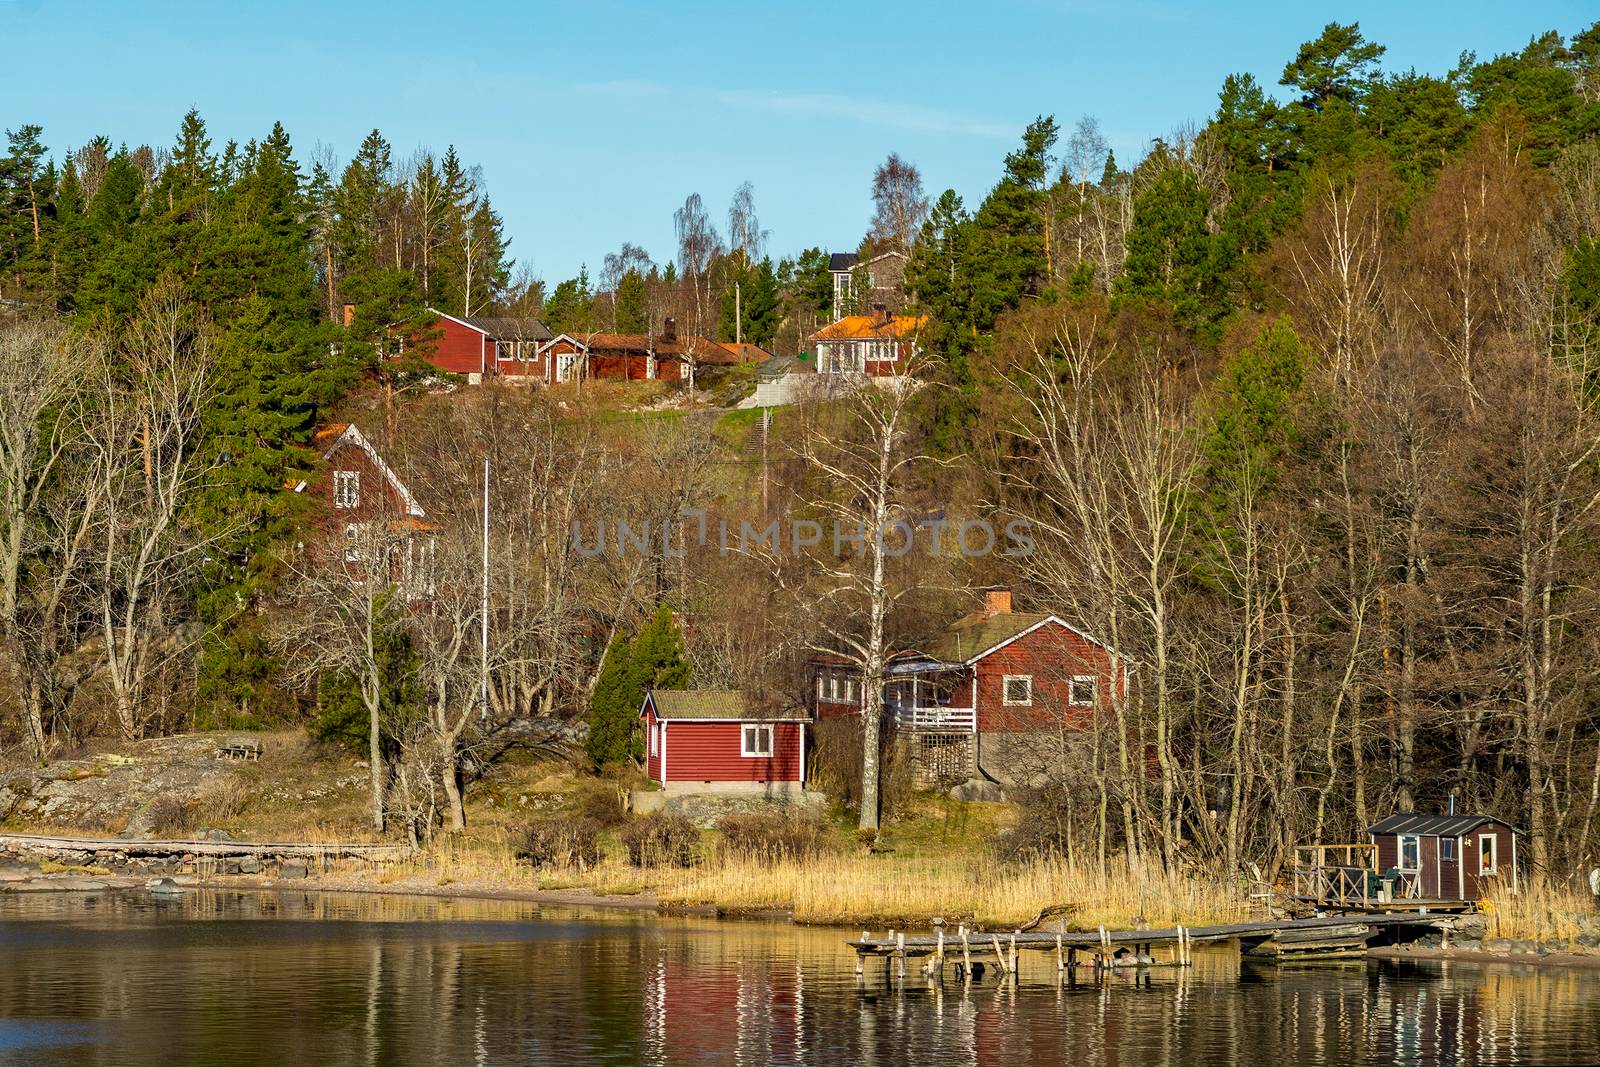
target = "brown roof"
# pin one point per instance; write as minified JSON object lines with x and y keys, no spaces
{"x":978,"y":633}
{"x":742,"y":352}
{"x":703,"y":349}
{"x":870,"y":326}
{"x":712,"y":704}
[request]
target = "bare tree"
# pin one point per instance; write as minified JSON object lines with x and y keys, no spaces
{"x":899,"y":204}
{"x":745,"y":235}
{"x":147,"y":434}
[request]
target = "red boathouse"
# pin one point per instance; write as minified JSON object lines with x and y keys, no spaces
{"x":710,"y":740}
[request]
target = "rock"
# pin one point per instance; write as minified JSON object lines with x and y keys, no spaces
{"x":1526,"y":948}
{"x":165,"y":887}
{"x":294,"y":870}
{"x":1472,"y":926}
{"x":1496,"y":944}
{"x":978,"y":789}
{"x":1588,"y":939}
{"x":60,"y":883}
{"x":230,"y":867}
{"x":249,"y":865}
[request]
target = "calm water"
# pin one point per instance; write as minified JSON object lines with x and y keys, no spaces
{"x":228,"y":978}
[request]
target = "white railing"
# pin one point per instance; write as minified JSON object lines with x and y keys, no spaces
{"x":936,"y":718}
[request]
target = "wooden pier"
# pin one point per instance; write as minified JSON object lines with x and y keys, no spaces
{"x":1337,"y":937}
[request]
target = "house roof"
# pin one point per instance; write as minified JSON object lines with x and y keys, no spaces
{"x":1432,"y":825}
{"x":977,"y":633}
{"x":711,"y":704}
{"x":870,"y":326}
{"x":702,"y":349}
{"x":744,"y":352}
{"x":501,"y":327}
{"x":840,"y":262}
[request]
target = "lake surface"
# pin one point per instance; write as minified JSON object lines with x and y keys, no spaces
{"x":298,"y":978}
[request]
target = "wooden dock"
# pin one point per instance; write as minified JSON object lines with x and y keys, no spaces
{"x":1333,"y":937}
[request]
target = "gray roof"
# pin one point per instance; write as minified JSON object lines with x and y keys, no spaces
{"x":712,"y":704}
{"x":842,"y":261}
{"x":1432,"y":825}
{"x":509,"y":328}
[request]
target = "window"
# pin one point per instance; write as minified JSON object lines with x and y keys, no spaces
{"x":652,"y":733}
{"x":346,"y":489}
{"x":565,"y":361}
{"x":1488,"y":854}
{"x":1018,"y":689}
{"x":1410,"y":852}
{"x":1447,"y":849}
{"x":756,"y":741}
{"x":1082,"y":692}
{"x":822,"y":685}
{"x":352,"y":543}
{"x":833,"y":685}
{"x":505,"y":350}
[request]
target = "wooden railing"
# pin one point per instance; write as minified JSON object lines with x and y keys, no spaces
{"x":1335,"y":873}
{"x":936,"y":718}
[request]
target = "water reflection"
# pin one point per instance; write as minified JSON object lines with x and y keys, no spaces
{"x":232,"y":978}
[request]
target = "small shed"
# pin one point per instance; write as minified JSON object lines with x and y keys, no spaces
{"x":1446,"y":857}
{"x":714,"y":740}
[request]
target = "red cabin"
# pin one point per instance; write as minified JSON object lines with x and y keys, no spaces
{"x":481,"y":347}
{"x":710,"y":740}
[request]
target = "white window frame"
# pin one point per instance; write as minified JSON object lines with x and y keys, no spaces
{"x":1072,"y":690}
{"x":352,"y":542}
{"x":833,"y":686}
{"x":652,"y":733}
{"x":761,"y":732}
{"x":347,"y":489}
{"x":1005,"y":690}
{"x":1400,"y":852}
{"x":565,"y":361}
{"x":1452,"y":858}
{"x":1494,"y":854}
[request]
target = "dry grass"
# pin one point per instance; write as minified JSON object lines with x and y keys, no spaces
{"x":1540,"y":912}
{"x":865,"y":888}
{"x":855,"y":888}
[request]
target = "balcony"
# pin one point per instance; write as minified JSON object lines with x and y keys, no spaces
{"x":935,"y":719}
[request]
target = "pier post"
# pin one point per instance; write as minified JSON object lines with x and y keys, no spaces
{"x":938,"y":955}
{"x":1013,"y":965}
{"x":1061,"y":962}
{"x":966,"y":955}
{"x":900,"y":947}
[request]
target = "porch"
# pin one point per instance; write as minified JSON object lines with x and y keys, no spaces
{"x":930,"y":698}
{"x":1347,"y":876}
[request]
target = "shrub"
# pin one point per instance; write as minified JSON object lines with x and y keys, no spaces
{"x":602,"y":802}
{"x":168,"y":815}
{"x":660,"y":838}
{"x":562,"y":841}
{"x":771,"y":835}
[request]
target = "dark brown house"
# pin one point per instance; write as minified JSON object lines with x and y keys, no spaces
{"x":1446,"y":857}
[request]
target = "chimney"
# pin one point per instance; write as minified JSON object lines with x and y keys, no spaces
{"x":349,"y":315}
{"x":880,"y":315}
{"x":997,"y":602}
{"x":669,"y":329}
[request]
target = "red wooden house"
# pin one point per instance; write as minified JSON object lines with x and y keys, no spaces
{"x":712,"y":740}
{"x":1446,"y":857}
{"x":365,"y":511}
{"x":977,"y":701}
{"x":482,"y":347}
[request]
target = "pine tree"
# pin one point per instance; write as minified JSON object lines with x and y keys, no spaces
{"x":633,"y":309}
{"x":612,"y":711}
{"x":570,"y":308}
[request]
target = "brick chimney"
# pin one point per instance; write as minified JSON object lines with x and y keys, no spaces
{"x":669,"y":329}
{"x":997,"y":602}
{"x":880,"y":315}
{"x":349,"y":315}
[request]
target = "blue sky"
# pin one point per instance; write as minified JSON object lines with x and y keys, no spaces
{"x":592,"y":121}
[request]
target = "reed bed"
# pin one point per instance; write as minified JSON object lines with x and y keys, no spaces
{"x":1540,"y":911}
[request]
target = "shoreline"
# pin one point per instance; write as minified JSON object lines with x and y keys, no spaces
{"x":646,"y":902}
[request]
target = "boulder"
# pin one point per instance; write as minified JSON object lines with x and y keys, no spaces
{"x":1588,"y":939}
{"x":294,"y":869}
{"x":1526,"y":948}
{"x":60,"y":883}
{"x":249,"y":865}
{"x":1472,"y":926}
